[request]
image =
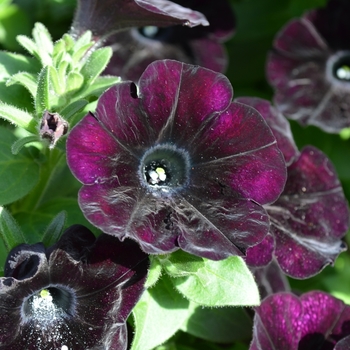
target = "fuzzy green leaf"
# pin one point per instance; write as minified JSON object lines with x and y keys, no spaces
{"x":158,"y":315}
{"x":212,"y":283}
{"x":55,"y":229}
{"x":219,"y":325}
{"x":17,"y":145}
{"x":10,"y":232}
{"x":18,"y":117}
{"x":42,"y":100}
{"x":28,"y":80}
{"x":18,"y":173}
{"x":95,"y":65}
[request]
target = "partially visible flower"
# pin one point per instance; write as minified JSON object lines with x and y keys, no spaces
{"x":315,"y":320}
{"x":310,"y":67}
{"x":311,"y":216}
{"x":136,"y":48}
{"x":270,"y":279}
{"x":176,"y":166}
{"x":76,"y":294}
{"x":106,"y":17}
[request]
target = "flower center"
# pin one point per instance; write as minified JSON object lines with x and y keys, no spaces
{"x":165,"y":166}
{"x":338,"y":68}
{"x":49,"y":305}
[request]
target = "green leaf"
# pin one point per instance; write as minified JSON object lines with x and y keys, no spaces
{"x":219,"y":325}
{"x":29,"y":45}
{"x":44,"y":44}
{"x":18,"y":117}
{"x":42,"y":100}
{"x":28,"y":80}
{"x":57,"y":85}
{"x":10,"y":232}
{"x":55,"y":229}
{"x":99,"y":86}
{"x":33,"y":222}
{"x":17,"y":145}
{"x":18,"y":173}
{"x":74,"y":82}
{"x":154,"y":273}
{"x":73,"y":108}
{"x":212,"y":283}
{"x":95,"y":65}
{"x":158,"y":315}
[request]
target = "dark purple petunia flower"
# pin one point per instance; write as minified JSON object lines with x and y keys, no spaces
{"x":310,"y":68}
{"x":175,"y":165}
{"x":311,"y":216}
{"x":136,"y":48}
{"x":315,"y":320}
{"x":104,"y":18}
{"x":76,"y":294}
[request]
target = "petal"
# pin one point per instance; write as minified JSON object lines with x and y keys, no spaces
{"x":325,"y":320}
{"x":130,"y":212}
{"x":310,"y":217}
{"x":216,"y":226}
{"x":299,"y":38}
{"x":105,"y":18}
{"x":332,"y":22}
{"x":278,"y":123}
{"x":91,"y":150}
{"x":262,"y":253}
{"x":276,"y":323}
{"x":271,"y":279}
{"x":178,"y":105}
{"x":253,"y":167}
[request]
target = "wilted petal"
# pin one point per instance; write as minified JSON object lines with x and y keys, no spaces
{"x":310,"y":217}
{"x":105,"y":18}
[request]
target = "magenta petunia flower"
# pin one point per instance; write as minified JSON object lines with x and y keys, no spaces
{"x":309,"y":67}
{"x":76,"y":294}
{"x":104,"y":18}
{"x":136,"y":48}
{"x":315,"y":320}
{"x":311,"y":216}
{"x":173,"y":164}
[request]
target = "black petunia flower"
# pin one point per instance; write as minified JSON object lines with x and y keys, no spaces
{"x":104,"y":18}
{"x":311,"y":216}
{"x":76,"y":294}
{"x":137,"y":47}
{"x":174,"y":164}
{"x":310,"y":67}
{"x":315,"y":320}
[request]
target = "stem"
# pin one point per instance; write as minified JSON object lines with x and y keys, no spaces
{"x":55,"y":160}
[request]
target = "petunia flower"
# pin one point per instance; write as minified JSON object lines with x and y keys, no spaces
{"x":311,"y":216}
{"x":270,"y":279}
{"x":76,"y":294}
{"x":136,"y":48}
{"x":315,"y":320}
{"x":173,"y":164}
{"x":309,"y":67}
{"x":104,"y":18}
